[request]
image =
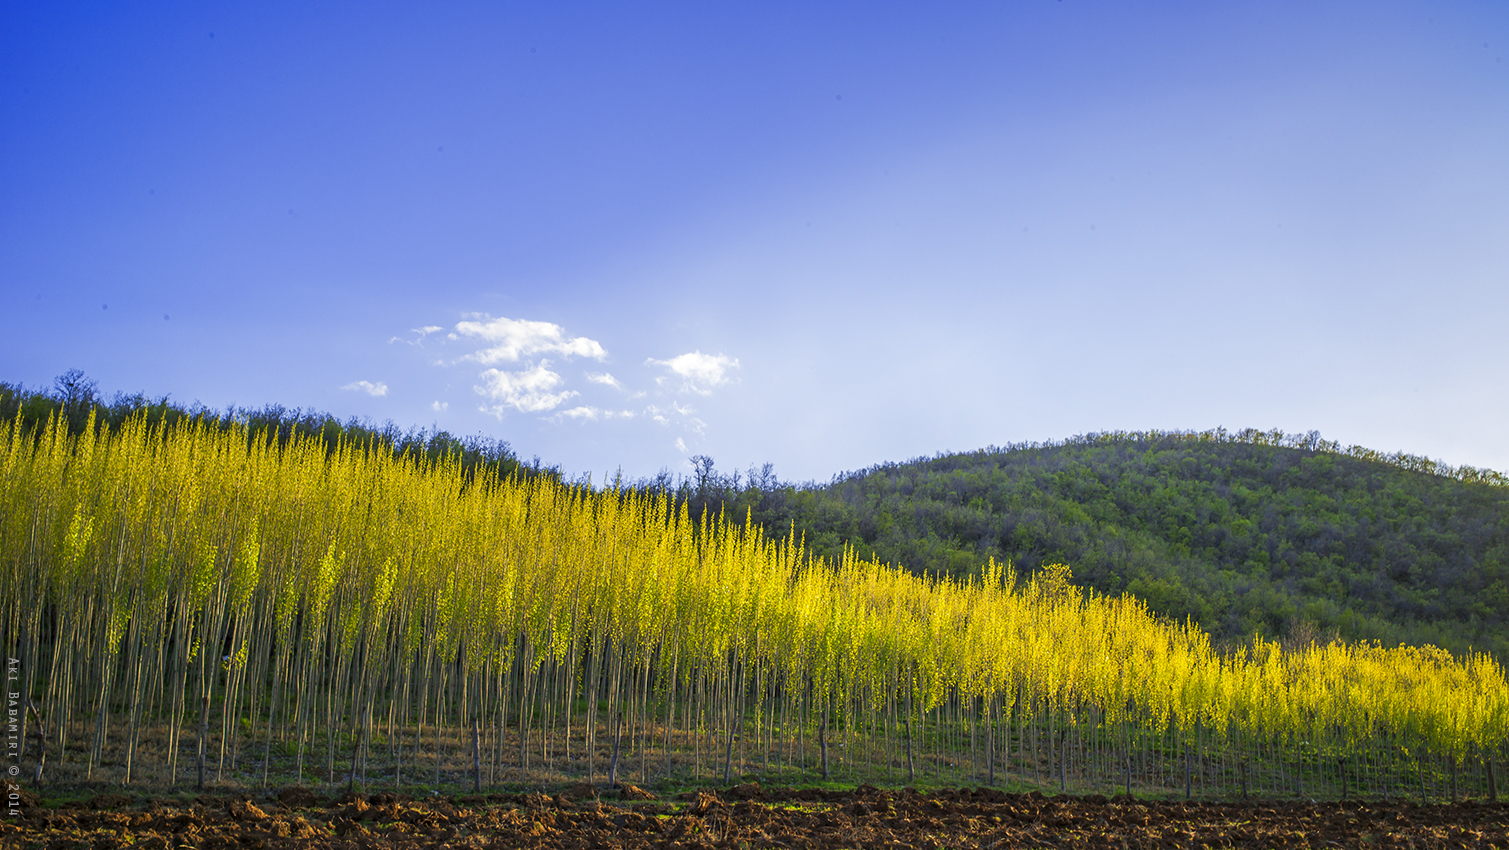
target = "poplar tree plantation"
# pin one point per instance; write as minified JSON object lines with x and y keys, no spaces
{"x":205,"y":602}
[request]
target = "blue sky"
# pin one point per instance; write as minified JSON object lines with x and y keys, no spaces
{"x":818,"y":235}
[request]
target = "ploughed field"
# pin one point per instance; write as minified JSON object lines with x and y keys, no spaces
{"x":748,"y":816}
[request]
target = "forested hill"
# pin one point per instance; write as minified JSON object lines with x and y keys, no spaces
{"x":1250,"y":532}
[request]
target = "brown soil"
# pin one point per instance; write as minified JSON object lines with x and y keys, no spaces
{"x":748,"y":816}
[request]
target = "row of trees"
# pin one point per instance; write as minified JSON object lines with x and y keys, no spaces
{"x":1288,"y":536}
{"x":77,"y":402}
{"x":382,"y":615}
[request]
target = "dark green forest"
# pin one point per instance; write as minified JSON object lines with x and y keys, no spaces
{"x":1291,"y":537}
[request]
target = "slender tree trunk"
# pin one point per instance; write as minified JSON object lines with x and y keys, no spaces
{"x":476,"y":754}
{"x":272,"y":713}
{"x":356,"y":748}
{"x":1063,"y":756}
{"x":822,"y":741}
{"x":1037,"y":764}
{"x":670,"y":711}
{"x":974,"y":760}
{"x":1126,"y":728}
{"x":134,"y":647}
{"x":36,"y":774}
{"x":990,"y":739}
{"x":911,"y":767}
{"x":728,"y":755}
{"x":204,"y":732}
{"x":1188,"y":791}
{"x":613,"y":764}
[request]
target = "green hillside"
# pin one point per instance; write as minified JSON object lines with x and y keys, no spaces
{"x":1249,"y":532}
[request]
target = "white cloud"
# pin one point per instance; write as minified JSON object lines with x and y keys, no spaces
{"x":681,"y":417}
{"x":529,"y":391}
{"x":592,"y":414}
{"x":419,"y":335}
{"x":676,"y":414}
{"x":511,"y":339}
{"x":440,"y":405}
{"x":699,"y":372}
{"x":377,"y":389}
{"x":605,"y":379}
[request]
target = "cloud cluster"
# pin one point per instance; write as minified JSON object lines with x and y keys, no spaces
{"x":419,"y":335}
{"x":378,"y":389}
{"x":524,"y":362}
{"x":593,"y":414}
{"x":529,"y":391}
{"x":511,"y":339}
{"x":699,"y":372}
{"x":535,"y":388}
{"x":677,"y":412}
